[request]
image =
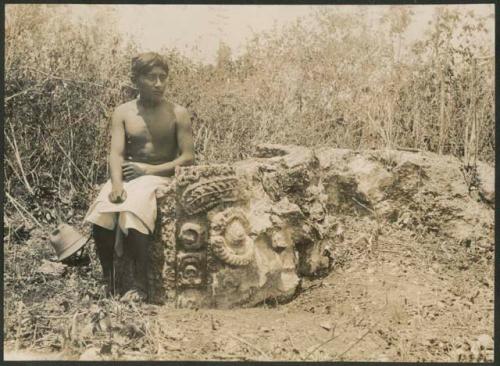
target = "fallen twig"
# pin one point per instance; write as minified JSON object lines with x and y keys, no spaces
{"x":409,"y":149}
{"x":251,"y":346}
{"x":9,"y":163}
{"x":18,"y":159}
{"x":390,"y":251}
{"x":19,"y":93}
{"x":321,"y":345}
{"x":331,"y":338}
{"x":19,"y":207}
{"x":365,"y":207}
{"x":358,"y":340}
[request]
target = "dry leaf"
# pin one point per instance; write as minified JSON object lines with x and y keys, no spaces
{"x":51,"y":268}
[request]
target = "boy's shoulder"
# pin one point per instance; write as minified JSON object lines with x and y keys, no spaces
{"x":180,"y":112}
{"x":127,"y":106}
{"x":177,"y":107}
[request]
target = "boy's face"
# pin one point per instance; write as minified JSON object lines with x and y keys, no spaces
{"x":152,"y":84}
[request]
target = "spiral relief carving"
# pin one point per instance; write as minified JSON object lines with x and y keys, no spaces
{"x":229,"y":238}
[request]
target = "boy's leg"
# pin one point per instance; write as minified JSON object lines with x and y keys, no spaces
{"x":104,"y":243}
{"x":141,"y":245}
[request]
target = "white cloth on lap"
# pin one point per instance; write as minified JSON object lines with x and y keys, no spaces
{"x":137,"y":212}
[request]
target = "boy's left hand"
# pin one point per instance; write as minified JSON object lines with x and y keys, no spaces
{"x":133,"y":170}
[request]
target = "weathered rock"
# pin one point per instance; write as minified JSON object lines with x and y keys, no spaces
{"x":415,"y":189}
{"x":217,"y":263}
{"x":246,"y":232}
{"x":372,"y":178}
{"x":237,"y":235}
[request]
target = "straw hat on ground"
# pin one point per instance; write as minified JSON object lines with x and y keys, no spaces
{"x":66,"y":241}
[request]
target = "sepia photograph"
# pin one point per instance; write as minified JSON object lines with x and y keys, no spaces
{"x":249,"y":182}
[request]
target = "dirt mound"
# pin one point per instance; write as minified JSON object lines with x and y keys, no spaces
{"x":411,"y":254}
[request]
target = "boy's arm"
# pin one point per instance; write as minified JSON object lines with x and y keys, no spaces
{"x":117,"y":152}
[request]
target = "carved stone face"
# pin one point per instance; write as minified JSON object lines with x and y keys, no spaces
{"x":190,"y":271}
{"x":191,"y":236}
{"x":235,"y":234}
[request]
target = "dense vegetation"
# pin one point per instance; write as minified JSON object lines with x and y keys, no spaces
{"x":328,"y":79}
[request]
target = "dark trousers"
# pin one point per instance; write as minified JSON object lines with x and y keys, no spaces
{"x":135,"y":245}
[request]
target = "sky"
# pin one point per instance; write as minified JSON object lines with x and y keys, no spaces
{"x":196,"y":30}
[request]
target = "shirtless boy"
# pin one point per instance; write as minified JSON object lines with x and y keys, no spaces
{"x":150,"y":136}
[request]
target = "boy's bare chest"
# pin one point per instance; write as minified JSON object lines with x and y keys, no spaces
{"x":150,"y":127}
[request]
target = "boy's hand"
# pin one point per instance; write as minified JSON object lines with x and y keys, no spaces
{"x":132,"y":170}
{"x":118,"y":194}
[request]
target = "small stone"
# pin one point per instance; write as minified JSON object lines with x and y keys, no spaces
{"x":485,"y":341}
{"x":91,"y":354}
{"x":383,"y":358}
{"x":326,"y":325}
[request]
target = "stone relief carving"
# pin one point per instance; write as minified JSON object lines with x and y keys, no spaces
{"x":191,"y":236}
{"x":189,"y":175}
{"x":202,"y":188}
{"x":238,"y":235}
{"x":238,"y":228}
{"x":207,"y":194}
{"x":229,"y":237}
{"x":190,"y":269}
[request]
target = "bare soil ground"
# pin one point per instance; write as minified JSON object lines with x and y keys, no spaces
{"x":402,"y":297}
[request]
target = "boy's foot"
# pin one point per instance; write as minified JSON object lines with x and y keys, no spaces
{"x":134,"y":295}
{"x":106,"y":290}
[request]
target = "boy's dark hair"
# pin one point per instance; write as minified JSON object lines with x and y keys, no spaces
{"x":143,"y":63}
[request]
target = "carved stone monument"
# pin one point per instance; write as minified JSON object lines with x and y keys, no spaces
{"x":237,"y":235}
{"x":244,"y":233}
